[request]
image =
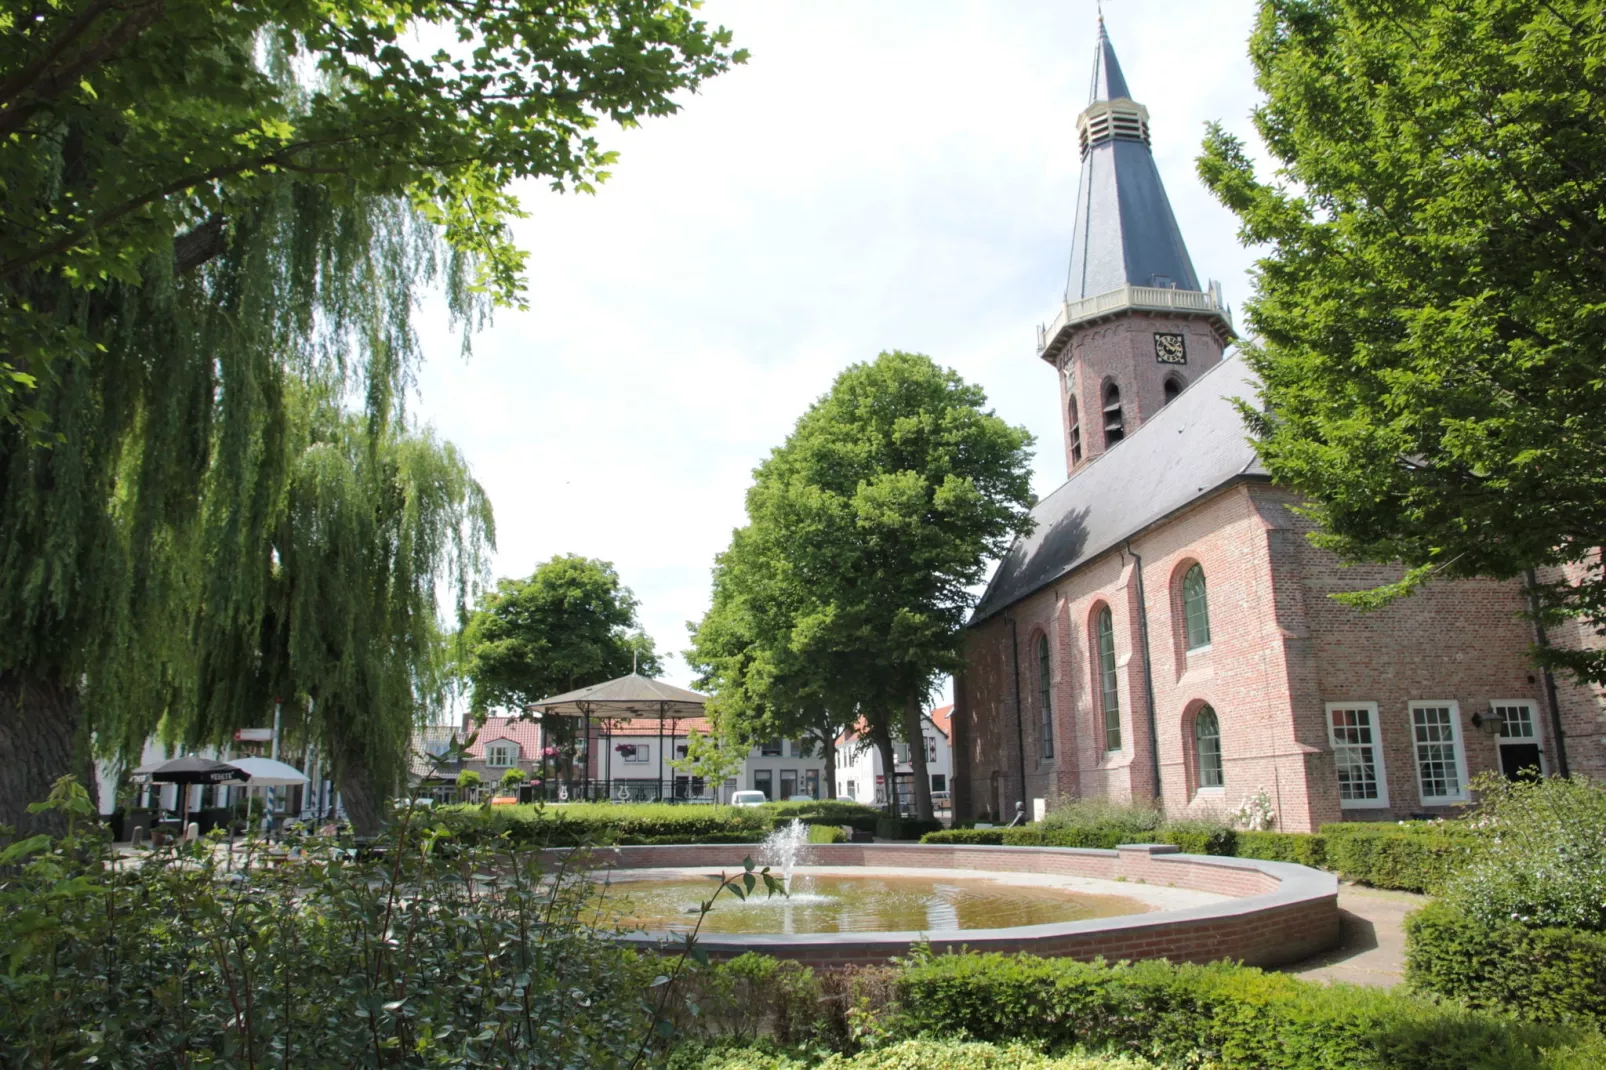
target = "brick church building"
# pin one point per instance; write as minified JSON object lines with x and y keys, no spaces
{"x":1166,"y":631}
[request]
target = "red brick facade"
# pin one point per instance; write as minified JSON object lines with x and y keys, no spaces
{"x":1281,"y":651}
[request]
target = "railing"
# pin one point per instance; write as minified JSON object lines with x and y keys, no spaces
{"x":1147,"y":298}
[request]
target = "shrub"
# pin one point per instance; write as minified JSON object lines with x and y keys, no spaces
{"x":1101,"y":822}
{"x":905,"y":828}
{"x":632,"y":823}
{"x":1302,"y":848}
{"x":1221,"y":1015}
{"x":1542,"y":858}
{"x":1199,"y":836}
{"x":827,"y":834}
{"x":992,"y":837}
{"x":825,"y":812}
{"x":905,"y":1055}
{"x":398,"y":958}
{"x":1408,"y":857}
{"x":1546,"y":974}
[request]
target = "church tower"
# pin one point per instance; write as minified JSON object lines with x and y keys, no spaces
{"x":1135,"y":328}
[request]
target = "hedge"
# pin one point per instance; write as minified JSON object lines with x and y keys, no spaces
{"x":906,"y":828}
{"x":1219,"y":1015}
{"x":645,"y":823}
{"x":1542,"y":974}
{"x":904,"y":1055}
{"x":1408,"y":858}
{"x":1411,"y":858}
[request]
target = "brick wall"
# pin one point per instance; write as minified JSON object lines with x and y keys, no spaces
{"x":1282,"y":648}
{"x":1121,"y":351}
{"x":1279,"y":913}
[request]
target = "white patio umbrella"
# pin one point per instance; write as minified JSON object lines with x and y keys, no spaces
{"x":268,"y":773}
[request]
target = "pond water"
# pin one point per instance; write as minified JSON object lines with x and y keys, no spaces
{"x":822,"y":903}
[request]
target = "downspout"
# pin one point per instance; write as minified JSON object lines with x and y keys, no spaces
{"x":1543,"y":641}
{"x":1148,"y":672}
{"x":1020,"y":734}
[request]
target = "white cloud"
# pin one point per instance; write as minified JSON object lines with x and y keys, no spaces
{"x":887,"y":175}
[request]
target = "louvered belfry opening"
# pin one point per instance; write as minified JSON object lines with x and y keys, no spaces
{"x":1114,"y":424}
{"x":1074,"y":432}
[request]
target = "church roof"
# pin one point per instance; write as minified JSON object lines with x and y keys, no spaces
{"x":1191,"y":448}
{"x":1125,"y":233}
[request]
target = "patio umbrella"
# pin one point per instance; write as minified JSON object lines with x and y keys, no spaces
{"x":268,"y":773}
{"x":193,"y":769}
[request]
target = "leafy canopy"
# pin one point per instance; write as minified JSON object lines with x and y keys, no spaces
{"x":124,"y":124}
{"x":867,"y":532}
{"x":1431,"y":309}
{"x":570,"y":625}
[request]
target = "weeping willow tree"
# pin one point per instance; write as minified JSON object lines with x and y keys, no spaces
{"x":376,"y":521}
{"x":210,"y":212}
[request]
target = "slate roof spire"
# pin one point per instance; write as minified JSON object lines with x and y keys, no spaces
{"x":1108,"y":82}
{"x":1126,"y":234}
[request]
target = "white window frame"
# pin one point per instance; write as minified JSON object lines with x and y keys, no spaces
{"x":1458,"y":748}
{"x":1382,"y":800}
{"x":498,"y":748}
{"x":1533,"y":719}
{"x":639,"y":754}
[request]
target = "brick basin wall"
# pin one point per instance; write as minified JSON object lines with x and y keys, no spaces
{"x":1280,"y":913}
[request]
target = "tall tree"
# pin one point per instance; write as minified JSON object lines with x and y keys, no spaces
{"x":877,"y":518}
{"x":205,"y":205}
{"x":1431,"y":311}
{"x":744,"y":651}
{"x":571,"y":624}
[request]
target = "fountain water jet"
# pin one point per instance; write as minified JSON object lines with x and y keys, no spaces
{"x":784,"y":848}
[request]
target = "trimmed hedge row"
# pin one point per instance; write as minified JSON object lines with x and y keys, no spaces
{"x":1543,"y":974}
{"x":1411,"y":858}
{"x":645,"y":823}
{"x":1219,"y":1015}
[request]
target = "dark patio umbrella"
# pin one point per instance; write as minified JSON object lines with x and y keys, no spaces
{"x":193,"y":769}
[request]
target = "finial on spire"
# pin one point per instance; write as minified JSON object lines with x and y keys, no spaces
{"x":1108,"y":83}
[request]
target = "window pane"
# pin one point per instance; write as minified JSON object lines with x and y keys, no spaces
{"x":1195,"y":608}
{"x":1516,"y":722}
{"x":1109,"y":691}
{"x":1434,"y":731}
{"x":1354,"y":752}
{"x":1044,"y":707}
{"x":1207,"y":738}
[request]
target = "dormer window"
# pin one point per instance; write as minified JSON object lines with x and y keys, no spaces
{"x":501,"y":755}
{"x":1114,"y":423}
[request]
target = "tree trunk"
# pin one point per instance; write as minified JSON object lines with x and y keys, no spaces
{"x":915,"y":732}
{"x":830,"y":768}
{"x":38,"y":727}
{"x":881,"y":736}
{"x":361,"y":798}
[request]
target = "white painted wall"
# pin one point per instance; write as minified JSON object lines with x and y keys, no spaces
{"x":858,"y":764}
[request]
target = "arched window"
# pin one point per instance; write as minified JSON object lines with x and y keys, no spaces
{"x":1109,"y":692}
{"x":1207,"y":748}
{"x":1044,"y":707}
{"x":1114,"y":425}
{"x":1075,"y":433}
{"x":1173,"y":387}
{"x":1195,"y":608}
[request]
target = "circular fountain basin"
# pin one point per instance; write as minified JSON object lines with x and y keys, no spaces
{"x":1251,"y":911}
{"x":827,"y":899}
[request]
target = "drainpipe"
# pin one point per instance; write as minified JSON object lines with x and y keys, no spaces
{"x":1020,"y":735}
{"x":1543,"y":641}
{"x":1148,"y":673}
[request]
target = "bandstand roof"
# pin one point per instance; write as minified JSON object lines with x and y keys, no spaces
{"x":629,"y":696}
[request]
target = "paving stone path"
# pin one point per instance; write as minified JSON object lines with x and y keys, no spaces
{"x":1372,"y":942}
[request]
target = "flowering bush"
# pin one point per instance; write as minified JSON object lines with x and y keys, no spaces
{"x":1255,"y":812}
{"x":1541,"y":858}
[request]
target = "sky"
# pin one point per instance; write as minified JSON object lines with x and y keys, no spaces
{"x":897,"y":174}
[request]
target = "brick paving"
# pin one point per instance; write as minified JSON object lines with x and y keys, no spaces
{"x":1372,"y":948}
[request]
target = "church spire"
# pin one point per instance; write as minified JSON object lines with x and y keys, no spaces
{"x":1135,"y":327}
{"x":1125,"y":232}
{"x":1108,"y":82}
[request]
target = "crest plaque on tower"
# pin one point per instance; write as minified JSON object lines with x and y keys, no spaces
{"x":1170,"y":348}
